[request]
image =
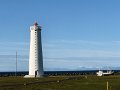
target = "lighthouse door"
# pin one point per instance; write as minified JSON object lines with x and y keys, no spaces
{"x":35,"y":73}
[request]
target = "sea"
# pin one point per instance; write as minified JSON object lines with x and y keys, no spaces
{"x":56,"y":73}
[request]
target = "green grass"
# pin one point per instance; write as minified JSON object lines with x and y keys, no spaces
{"x":60,"y":83}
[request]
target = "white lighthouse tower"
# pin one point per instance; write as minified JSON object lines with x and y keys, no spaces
{"x":35,"y":57}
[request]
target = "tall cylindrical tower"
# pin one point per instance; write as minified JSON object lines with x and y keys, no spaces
{"x":35,"y":56}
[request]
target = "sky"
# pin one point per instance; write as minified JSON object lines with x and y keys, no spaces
{"x":76,"y":34}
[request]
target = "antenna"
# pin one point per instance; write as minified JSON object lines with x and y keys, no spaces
{"x":16,"y":65}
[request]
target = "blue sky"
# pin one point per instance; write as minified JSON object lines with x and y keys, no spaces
{"x":76,"y":33}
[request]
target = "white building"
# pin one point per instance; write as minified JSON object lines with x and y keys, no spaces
{"x":35,"y":57}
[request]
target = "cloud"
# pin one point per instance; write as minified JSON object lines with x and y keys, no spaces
{"x":69,"y":54}
{"x":10,"y":48}
{"x":80,"y":48}
{"x":72,"y":54}
{"x":77,"y":63}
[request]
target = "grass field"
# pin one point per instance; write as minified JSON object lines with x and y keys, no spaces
{"x":60,"y":83}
